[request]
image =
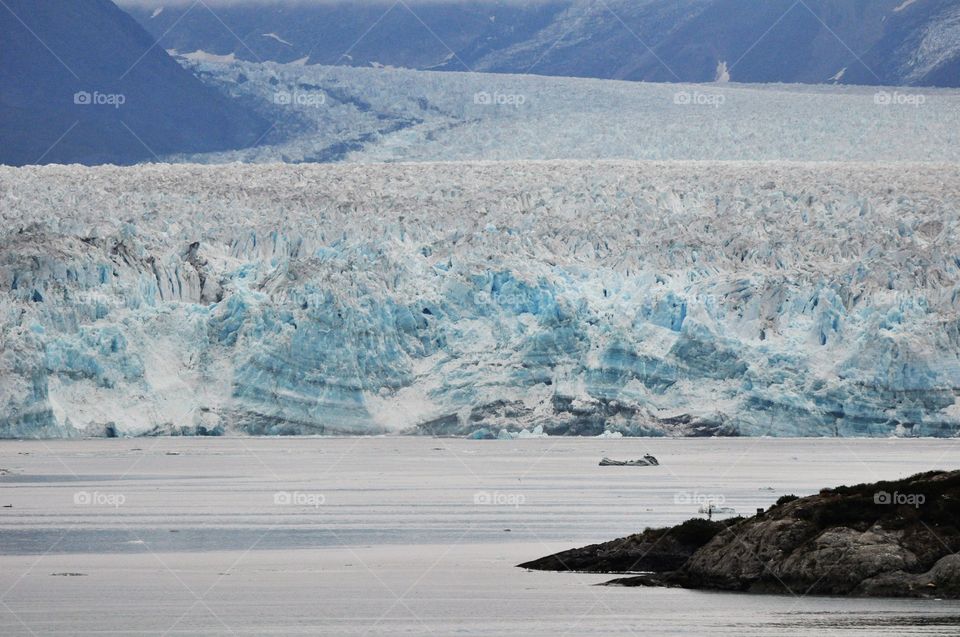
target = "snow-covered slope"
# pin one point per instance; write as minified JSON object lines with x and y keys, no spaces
{"x":676,"y":298}
{"x":934,"y":52}
{"x":348,"y":114}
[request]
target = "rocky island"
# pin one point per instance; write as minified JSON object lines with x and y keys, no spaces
{"x":885,"y":539}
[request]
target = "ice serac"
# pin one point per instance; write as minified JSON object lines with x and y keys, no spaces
{"x":679,"y":298}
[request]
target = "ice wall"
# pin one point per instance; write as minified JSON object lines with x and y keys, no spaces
{"x":676,"y":298}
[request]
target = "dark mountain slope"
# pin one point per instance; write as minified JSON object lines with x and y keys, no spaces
{"x":82,"y":82}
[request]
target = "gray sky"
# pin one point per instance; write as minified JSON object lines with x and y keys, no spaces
{"x":170,"y":3}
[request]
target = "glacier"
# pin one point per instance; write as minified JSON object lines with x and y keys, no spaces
{"x":584,"y":297}
{"x":367,"y":115}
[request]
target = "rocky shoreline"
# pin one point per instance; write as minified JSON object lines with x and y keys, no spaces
{"x":885,"y":539}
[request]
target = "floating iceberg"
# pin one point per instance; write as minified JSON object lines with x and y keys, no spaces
{"x":646,"y":461}
{"x":537,"y":432}
{"x":523,"y":434}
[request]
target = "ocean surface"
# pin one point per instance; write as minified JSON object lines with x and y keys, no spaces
{"x":409,"y":536}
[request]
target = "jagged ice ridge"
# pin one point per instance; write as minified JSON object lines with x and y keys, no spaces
{"x":676,"y":298}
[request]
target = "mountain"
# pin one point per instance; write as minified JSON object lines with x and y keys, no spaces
{"x":675,"y":298}
{"x":816,"y":41}
{"x":81,"y":81}
{"x":354,"y":33}
{"x":879,"y":42}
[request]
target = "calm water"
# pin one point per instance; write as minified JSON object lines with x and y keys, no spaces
{"x":359,"y":536}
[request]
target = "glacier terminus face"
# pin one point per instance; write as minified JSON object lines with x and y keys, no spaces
{"x":645,"y":298}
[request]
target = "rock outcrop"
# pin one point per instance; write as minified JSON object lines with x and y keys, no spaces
{"x":656,"y":550}
{"x":887,"y":539}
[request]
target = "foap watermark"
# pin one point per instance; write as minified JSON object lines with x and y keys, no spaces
{"x":697,"y":98}
{"x":298,"y":498}
{"x":483,"y":98}
{"x":98,"y":499}
{"x":503,"y":298}
{"x":897,"y":498}
{"x":311,"y":99}
{"x":96,"y":98}
{"x":482,"y":298}
{"x":496,"y":498}
{"x":700,"y":499}
{"x":896,"y":98}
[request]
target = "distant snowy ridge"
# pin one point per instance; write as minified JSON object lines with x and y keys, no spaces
{"x":643,"y":298}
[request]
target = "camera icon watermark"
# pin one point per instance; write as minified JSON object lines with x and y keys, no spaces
{"x":96,"y":98}
{"x":298,"y":498}
{"x":96,"y":498}
{"x":484,"y":98}
{"x":696,"y":98}
{"x":896,"y":98}
{"x":310,"y":99}
{"x":496,"y":498}
{"x":896,"y":498}
{"x":482,"y":298}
